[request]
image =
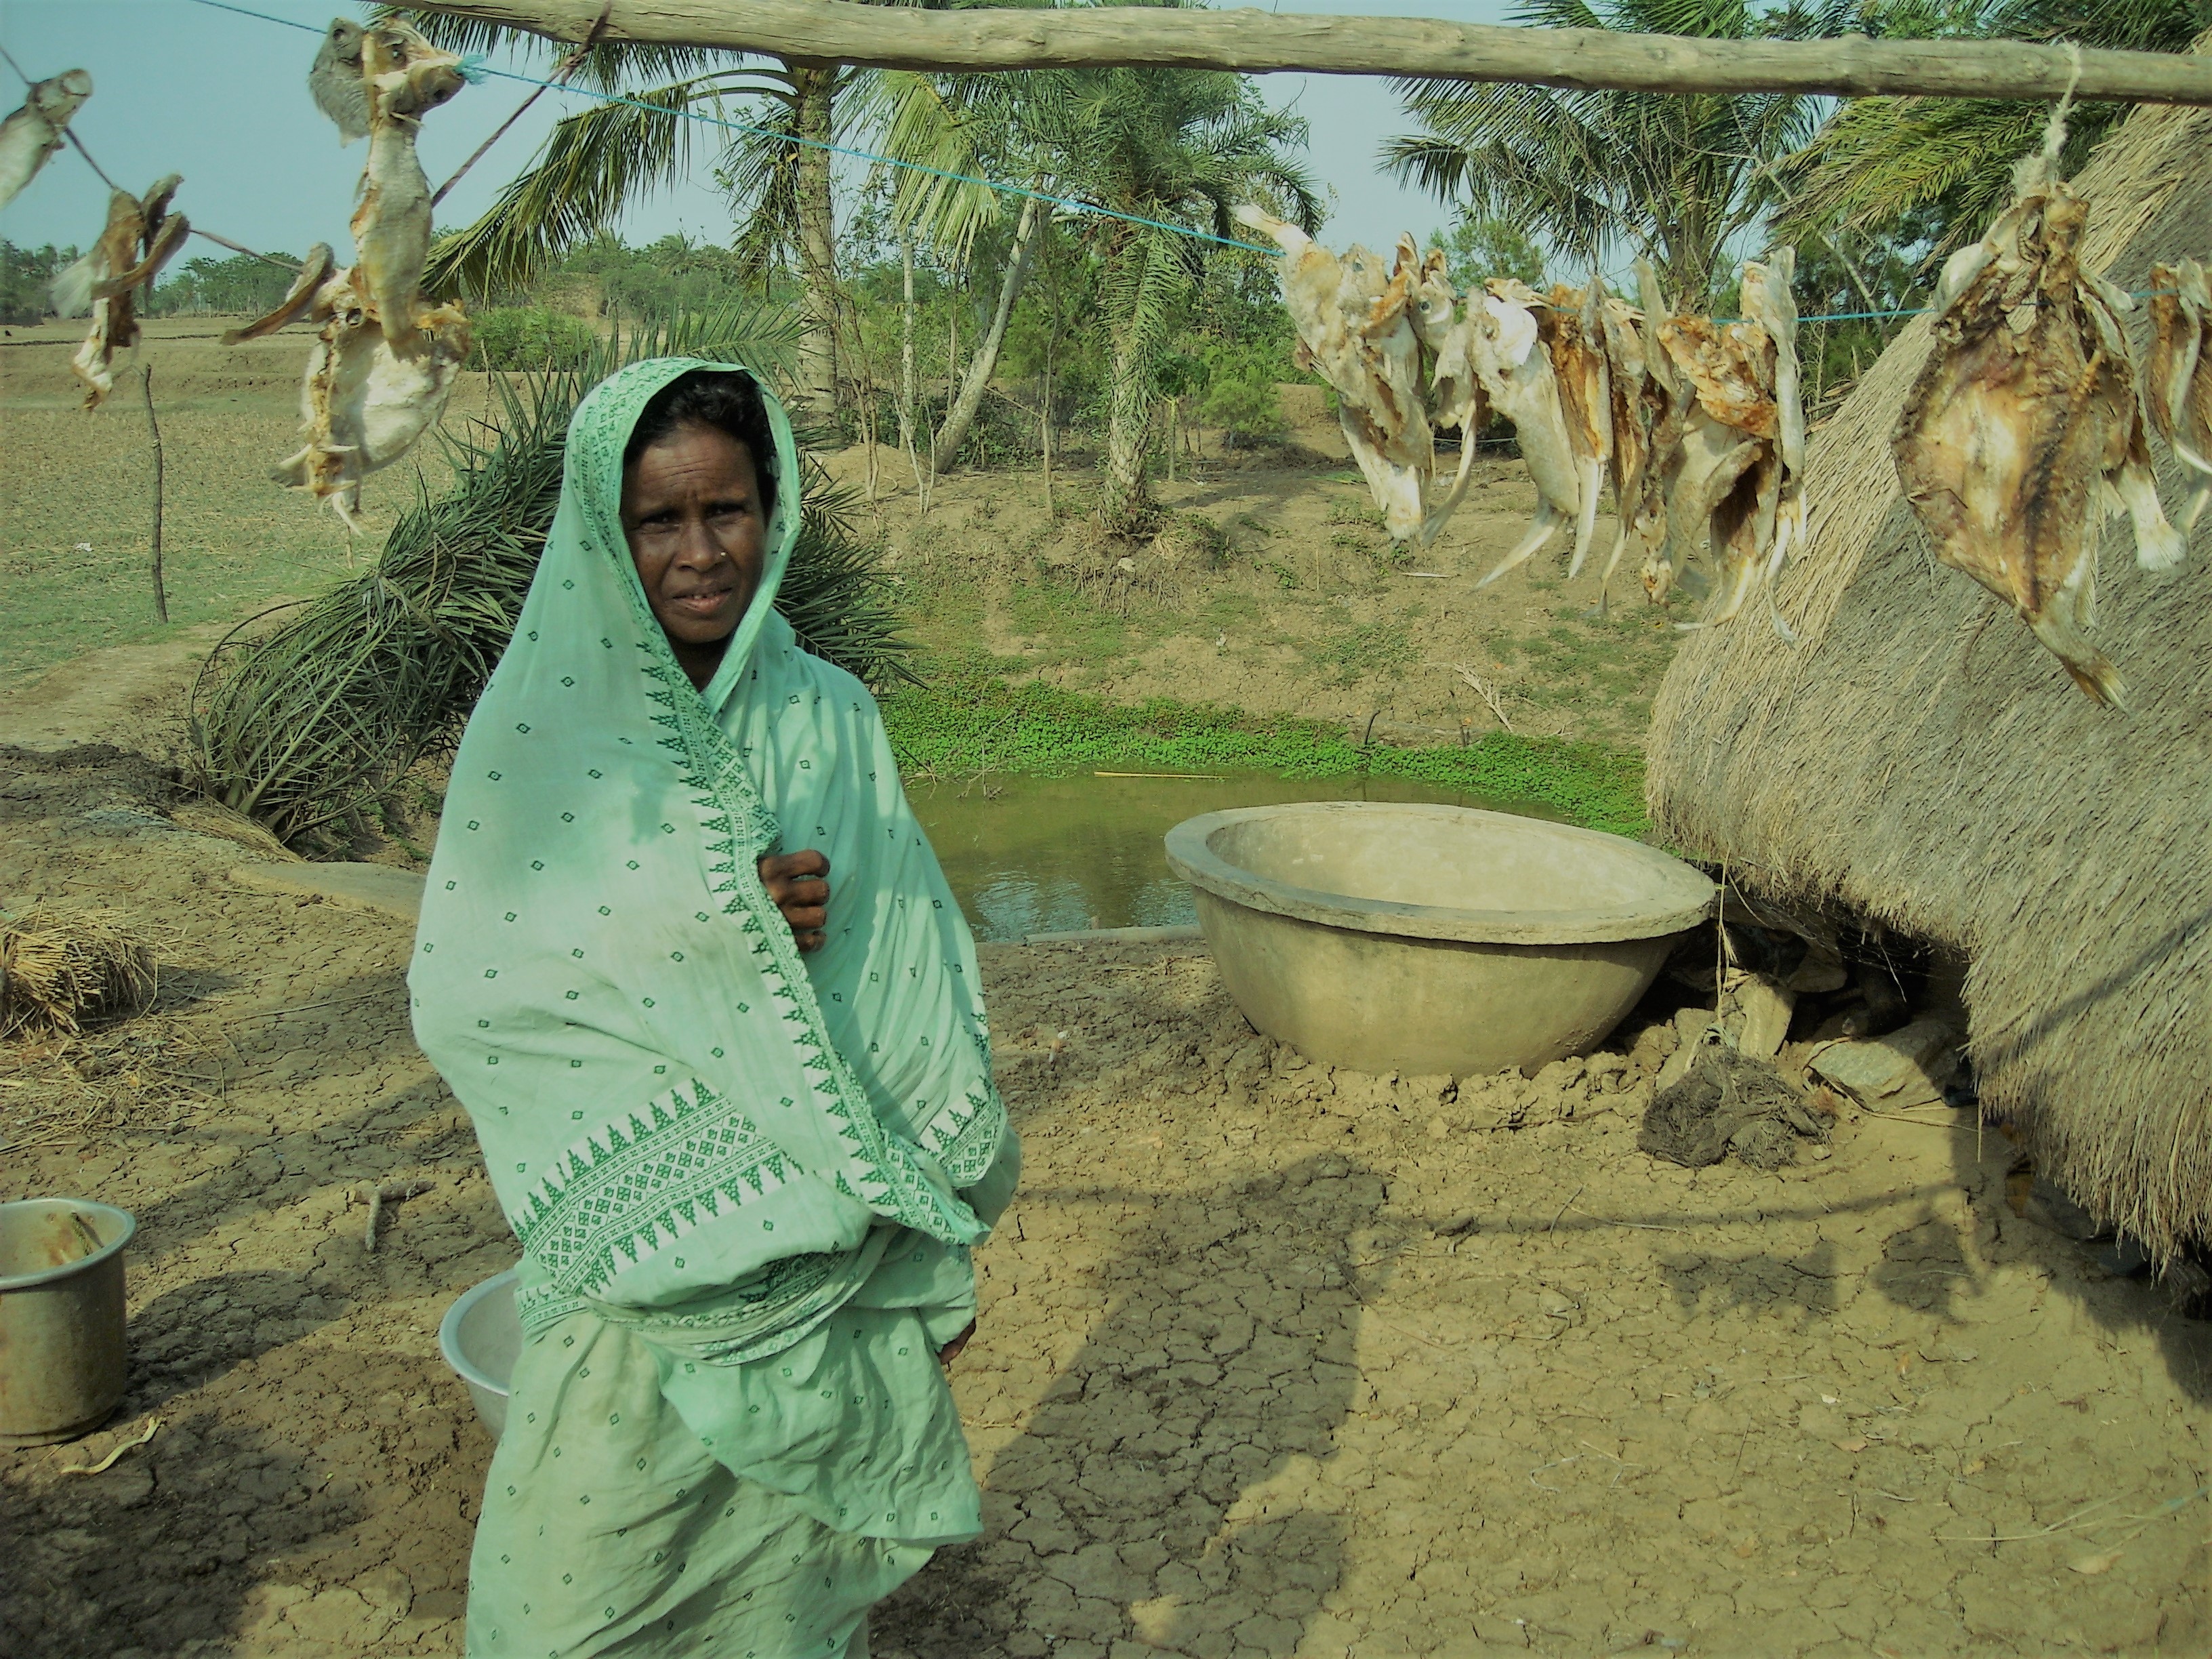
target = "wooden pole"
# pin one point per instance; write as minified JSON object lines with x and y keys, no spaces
{"x":1256,"y":42}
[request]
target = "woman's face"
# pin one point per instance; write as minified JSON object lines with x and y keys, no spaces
{"x":691,"y":511}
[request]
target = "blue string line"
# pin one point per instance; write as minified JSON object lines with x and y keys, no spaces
{"x":476,"y":68}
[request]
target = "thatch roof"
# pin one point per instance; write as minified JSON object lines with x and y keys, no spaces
{"x":1920,"y":759}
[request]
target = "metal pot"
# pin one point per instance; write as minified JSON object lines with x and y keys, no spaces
{"x":61,"y":1317}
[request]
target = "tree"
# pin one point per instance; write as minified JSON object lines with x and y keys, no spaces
{"x":1174,"y":150}
{"x":1478,"y":247}
{"x":962,"y":128}
{"x":1674,"y":178}
{"x":774,"y":164}
{"x":1933,"y":172}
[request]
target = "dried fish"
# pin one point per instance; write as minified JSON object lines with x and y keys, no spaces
{"x":1456,"y":389}
{"x":1515,"y":374}
{"x":298,"y":303}
{"x":1672,"y":398}
{"x":1355,"y":328}
{"x":1768,"y":301}
{"x":384,"y":361}
{"x":2177,"y":376}
{"x":1723,"y":484}
{"x":335,"y":80}
{"x":365,"y":405}
{"x":1571,"y":326}
{"x":39,"y":128}
{"x":406,"y":77}
{"x":2024,"y":428}
{"x":141,"y":236}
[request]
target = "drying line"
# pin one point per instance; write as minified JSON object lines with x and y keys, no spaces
{"x":474,"y":70}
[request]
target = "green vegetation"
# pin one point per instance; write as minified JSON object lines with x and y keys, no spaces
{"x":533,"y":338}
{"x":971,"y":721}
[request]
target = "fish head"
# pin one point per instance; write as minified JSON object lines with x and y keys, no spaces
{"x":59,"y":99}
{"x":1434,"y":302}
{"x":154,"y":205}
{"x":336,"y":82}
{"x":409,"y":76}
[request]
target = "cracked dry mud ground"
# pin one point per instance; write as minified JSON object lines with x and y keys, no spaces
{"x":1273,"y":1362}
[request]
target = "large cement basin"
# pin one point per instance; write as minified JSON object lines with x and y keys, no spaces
{"x":1388,"y":936}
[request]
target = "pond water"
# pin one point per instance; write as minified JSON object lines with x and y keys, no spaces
{"x":1044,"y":855}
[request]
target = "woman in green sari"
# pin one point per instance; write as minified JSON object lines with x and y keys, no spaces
{"x":688,"y":960}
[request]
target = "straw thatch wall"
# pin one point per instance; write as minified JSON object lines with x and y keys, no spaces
{"x":1920,"y":760}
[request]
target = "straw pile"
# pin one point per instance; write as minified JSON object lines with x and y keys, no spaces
{"x":59,"y":969}
{"x":1920,"y":759}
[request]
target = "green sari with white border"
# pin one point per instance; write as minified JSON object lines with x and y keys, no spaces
{"x":754,"y":1173}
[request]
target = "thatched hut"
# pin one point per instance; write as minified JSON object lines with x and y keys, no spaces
{"x":1919,"y":760}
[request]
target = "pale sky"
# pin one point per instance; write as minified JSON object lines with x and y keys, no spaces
{"x":183,"y":88}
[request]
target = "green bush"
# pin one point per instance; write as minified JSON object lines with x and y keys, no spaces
{"x":530,"y":337}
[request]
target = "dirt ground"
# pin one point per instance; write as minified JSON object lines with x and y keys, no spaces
{"x":1273,"y":1361}
{"x":1289,"y":599}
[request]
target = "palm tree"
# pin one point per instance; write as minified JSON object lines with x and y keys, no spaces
{"x":1935,"y":171}
{"x":1173,"y":150}
{"x":595,"y":162}
{"x":963,"y":128}
{"x":1674,"y":178}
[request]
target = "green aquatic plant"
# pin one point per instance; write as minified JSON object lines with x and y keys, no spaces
{"x":967,"y":719}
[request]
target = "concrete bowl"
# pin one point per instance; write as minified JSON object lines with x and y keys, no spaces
{"x":1386,"y":937}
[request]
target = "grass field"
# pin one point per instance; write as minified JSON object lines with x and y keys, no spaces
{"x":77,"y":492}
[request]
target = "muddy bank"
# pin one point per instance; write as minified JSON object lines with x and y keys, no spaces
{"x":1273,"y":1361}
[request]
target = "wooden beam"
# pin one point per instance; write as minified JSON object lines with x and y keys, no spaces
{"x":1256,"y":42}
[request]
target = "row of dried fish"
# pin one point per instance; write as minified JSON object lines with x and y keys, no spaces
{"x":141,"y":234}
{"x":1699,"y":426}
{"x":385,"y":359}
{"x":2027,"y":426}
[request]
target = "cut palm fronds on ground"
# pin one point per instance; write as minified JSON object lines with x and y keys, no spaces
{"x":60,"y":969}
{"x":308,"y":727}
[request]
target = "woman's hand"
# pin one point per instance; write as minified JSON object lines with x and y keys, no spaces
{"x":951,"y":1351}
{"x":799,"y":883}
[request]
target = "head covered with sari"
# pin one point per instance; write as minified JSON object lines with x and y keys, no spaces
{"x":678,"y":1109}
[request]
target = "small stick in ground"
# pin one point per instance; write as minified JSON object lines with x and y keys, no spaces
{"x":153,"y":427}
{"x":392,"y":1192}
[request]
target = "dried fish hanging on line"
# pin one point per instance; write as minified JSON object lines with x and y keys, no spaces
{"x":384,"y":361}
{"x":1355,"y":324}
{"x":1516,"y":372}
{"x":2024,"y":429}
{"x":1700,"y":427}
{"x":141,"y":235}
{"x":35,"y":132}
{"x":2178,"y":375}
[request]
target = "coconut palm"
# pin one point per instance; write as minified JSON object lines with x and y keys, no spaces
{"x":594,"y":163}
{"x":1674,"y":178}
{"x":1936,"y":170}
{"x":1174,"y":150}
